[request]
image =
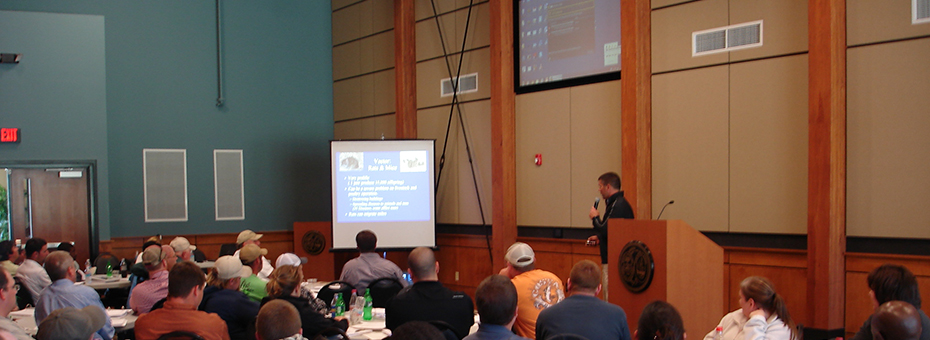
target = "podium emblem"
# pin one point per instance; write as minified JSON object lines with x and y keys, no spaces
{"x":313,"y":242}
{"x":636,"y":266}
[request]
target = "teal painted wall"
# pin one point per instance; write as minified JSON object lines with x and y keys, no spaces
{"x":161,"y":93}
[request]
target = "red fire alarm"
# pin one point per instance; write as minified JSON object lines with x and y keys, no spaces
{"x":9,"y":135}
{"x":538,"y":160}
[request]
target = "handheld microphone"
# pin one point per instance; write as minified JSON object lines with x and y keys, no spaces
{"x":665,"y":206}
{"x":597,"y":200}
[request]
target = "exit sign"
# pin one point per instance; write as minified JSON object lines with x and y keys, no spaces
{"x":9,"y":135}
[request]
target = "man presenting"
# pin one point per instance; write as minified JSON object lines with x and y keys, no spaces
{"x":615,"y":206}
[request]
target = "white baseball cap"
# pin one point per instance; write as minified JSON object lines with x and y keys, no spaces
{"x":289,"y":259}
{"x":228,"y":267}
{"x":520,"y":255}
{"x":180,"y":244}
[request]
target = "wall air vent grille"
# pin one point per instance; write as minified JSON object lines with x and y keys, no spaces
{"x":467,"y":84}
{"x":726,"y":39}
{"x":921,"y":11}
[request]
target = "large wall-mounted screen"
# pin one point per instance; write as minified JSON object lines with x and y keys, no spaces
{"x":561,"y":43}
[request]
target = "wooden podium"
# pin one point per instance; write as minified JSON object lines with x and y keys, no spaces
{"x":688,"y":271}
{"x":315,"y":237}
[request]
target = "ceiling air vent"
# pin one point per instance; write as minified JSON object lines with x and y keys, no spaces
{"x":467,"y":84}
{"x":920,"y":10}
{"x":726,"y":39}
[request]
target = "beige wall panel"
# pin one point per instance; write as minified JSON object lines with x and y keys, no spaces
{"x":689,"y":146}
{"x":337,"y":4}
{"x":346,"y":24}
{"x":768,"y":146}
{"x":427,"y":39}
{"x":346,"y":103}
{"x":479,"y":30}
{"x":385,"y":125}
{"x":784,"y":26}
{"x":431,"y":124}
{"x":869,"y":21}
{"x":424,"y":8}
{"x":431,"y":72}
{"x":595,"y":144}
{"x":376,"y":52}
{"x":888,"y":147}
{"x":347,"y":60}
{"x":383,"y":92}
{"x":382,"y":15}
{"x":543,"y":126}
{"x":366,"y":98}
{"x":663,"y":3}
{"x":477,"y":117}
{"x":671,"y":34}
{"x":353,"y":129}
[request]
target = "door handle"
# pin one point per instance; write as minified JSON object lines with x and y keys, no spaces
{"x":29,"y":216}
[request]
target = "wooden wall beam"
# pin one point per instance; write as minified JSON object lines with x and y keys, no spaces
{"x":636,"y":105}
{"x":503,"y":131}
{"x":405,"y":69}
{"x":826,"y":207}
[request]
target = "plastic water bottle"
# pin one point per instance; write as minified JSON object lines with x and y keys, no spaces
{"x":87,"y":267}
{"x":368,"y":305}
{"x":109,"y":269}
{"x":340,"y":305}
{"x":332,"y":305}
{"x":123,"y":268}
{"x":357,"y":311}
{"x":353,"y":308}
{"x":718,"y":333}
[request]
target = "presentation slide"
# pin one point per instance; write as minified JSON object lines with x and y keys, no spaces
{"x":385,"y":186}
{"x":566,"y":39}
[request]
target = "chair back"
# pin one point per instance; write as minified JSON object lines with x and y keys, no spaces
{"x":567,"y":336}
{"x":180,"y":335}
{"x":227,"y":249}
{"x":446,"y":329}
{"x":158,"y":304}
{"x":23,"y":297}
{"x":330,"y":289}
{"x":101,"y":263}
{"x":198,"y":256}
{"x":382,"y":290}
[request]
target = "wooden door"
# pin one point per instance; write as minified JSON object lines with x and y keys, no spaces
{"x":60,"y":207}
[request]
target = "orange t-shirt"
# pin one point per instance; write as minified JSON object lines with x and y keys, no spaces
{"x":536,"y":290}
{"x":180,"y":317}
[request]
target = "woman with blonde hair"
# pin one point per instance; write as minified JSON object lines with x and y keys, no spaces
{"x":763,"y":314}
{"x":284,"y":284}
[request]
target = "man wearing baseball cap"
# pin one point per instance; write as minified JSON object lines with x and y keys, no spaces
{"x":254,"y":287}
{"x":157,"y":260}
{"x":222,"y":296}
{"x":182,"y":247}
{"x":247,"y":237}
{"x":537,"y":289}
{"x":70,"y":323}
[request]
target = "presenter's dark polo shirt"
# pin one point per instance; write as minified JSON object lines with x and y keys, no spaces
{"x":429,"y":301}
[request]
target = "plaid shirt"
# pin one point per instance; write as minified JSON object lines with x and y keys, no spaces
{"x":149,"y":292}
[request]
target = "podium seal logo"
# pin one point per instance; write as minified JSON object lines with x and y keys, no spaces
{"x":313,"y":242}
{"x":636,"y":266}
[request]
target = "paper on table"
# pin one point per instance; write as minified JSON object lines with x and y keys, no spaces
{"x":118,"y":322}
{"x":27,"y":312}
{"x":372,"y":325}
{"x":115,"y":313}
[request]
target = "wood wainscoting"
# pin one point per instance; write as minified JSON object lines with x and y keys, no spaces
{"x":465,"y":261}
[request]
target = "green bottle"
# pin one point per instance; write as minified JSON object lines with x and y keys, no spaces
{"x":340,"y":305}
{"x":109,"y":269}
{"x":368,"y":305}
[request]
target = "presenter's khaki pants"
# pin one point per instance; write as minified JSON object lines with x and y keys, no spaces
{"x":604,"y":280}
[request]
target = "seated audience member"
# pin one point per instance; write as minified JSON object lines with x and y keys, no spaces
{"x":138,"y":268}
{"x":896,"y":320}
{"x":278,"y":320}
{"x":537,"y":289}
{"x":417,"y":330}
{"x":22,"y":256}
{"x":427,"y":299}
{"x":660,"y":321}
{"x":284,"y":284}
{"x":582,"y":313}
{"x":496,"y":298}
{"x":31,"y":273}
{"x":70,"y":323}
{"x":247,"y":237}
{"x":763,"y":314}
{"x":185,"y":291}
{"x":68,"y":247}
{"x":222,"y":296}
{"x":253,"y":286}
{"x":369,"y":266}
{"x":8,"y":255}
{"x":64,"y":293}
{"x":156,"y":260}
{"x":291,"y":259}
{"x":891,"y":282}
{"x":182,"y":247}
{"x":7,"y":305}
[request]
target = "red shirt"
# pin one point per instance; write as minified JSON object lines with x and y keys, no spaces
{"x":176,"y":316}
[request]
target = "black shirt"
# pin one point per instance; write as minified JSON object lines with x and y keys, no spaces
{"x":617,"y":207}
{"x":428,"y":301}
